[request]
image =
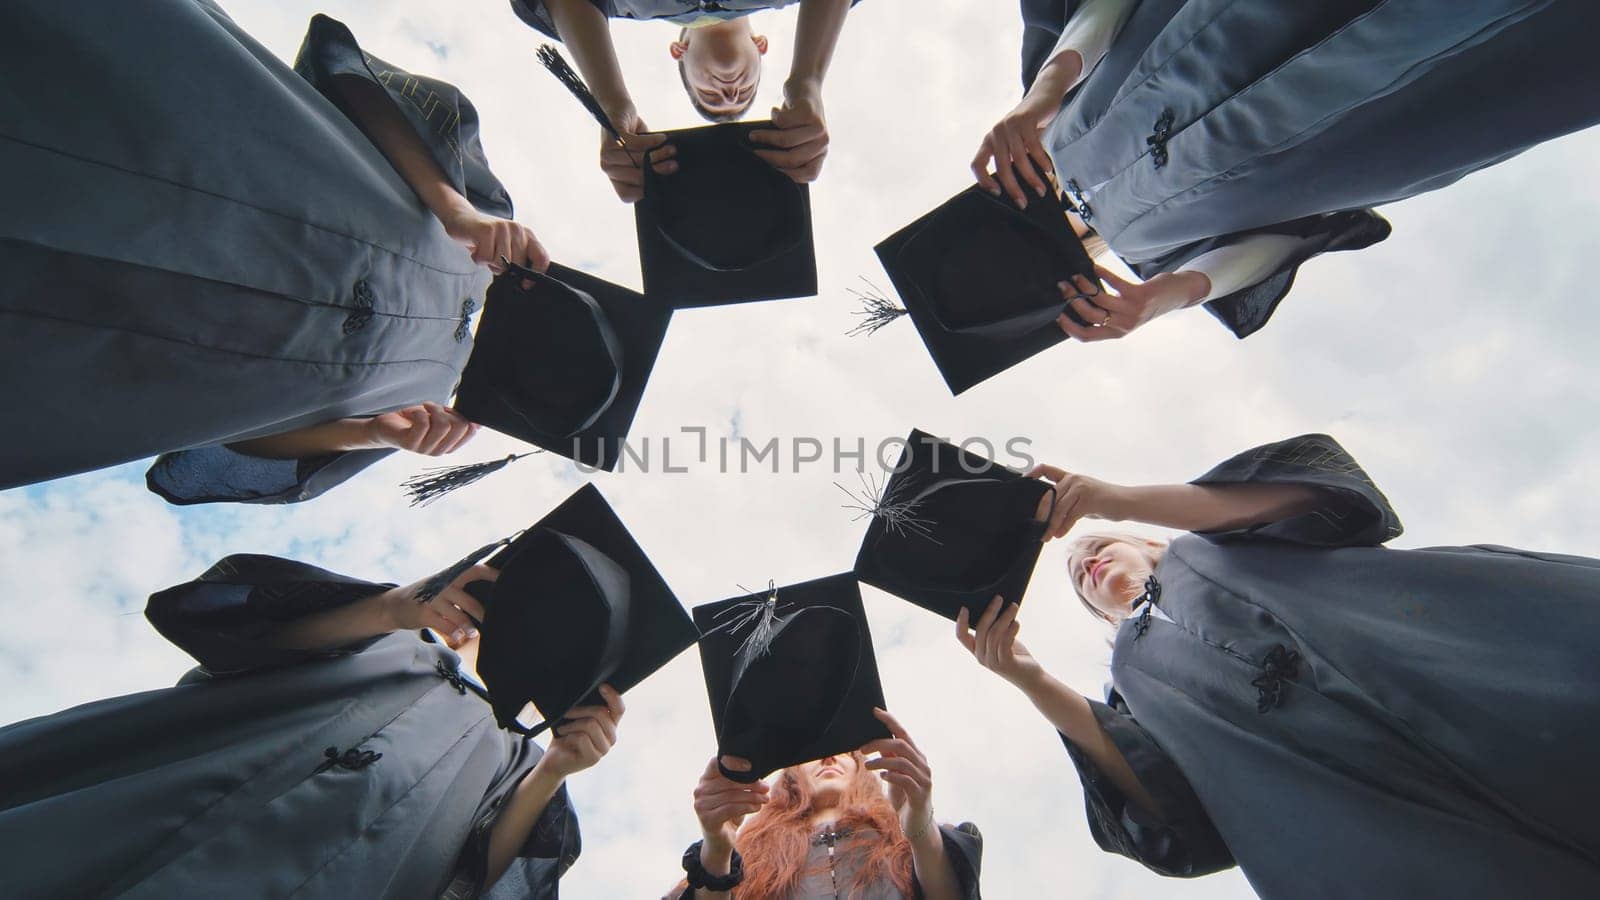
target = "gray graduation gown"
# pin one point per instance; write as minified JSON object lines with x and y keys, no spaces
{"x":371,"y":771}
{"x":1346,"y":720}
{"x":1210,"y":120}
{"x":200,"y":247}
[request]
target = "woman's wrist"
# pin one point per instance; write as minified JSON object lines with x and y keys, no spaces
{"x":1039,"y":686}
{"x":716,"y":856}
{"x":1191,"y":287}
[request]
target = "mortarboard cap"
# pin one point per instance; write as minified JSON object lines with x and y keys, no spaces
{"x":979,"y":278}
{"x":726,"y":227}
{"x":951,"y":529}
{"x":577,"y":604}
{"x":562,"y":366}
{"x":790,"y":674}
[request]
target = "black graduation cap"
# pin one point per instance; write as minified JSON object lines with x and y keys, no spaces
{"x":726,"y":227}
{"x":979,"y":278}
{"x":561,"y":366}
{"x":790,"y":674}
{"x":577,"y":603}
{"x":951,"y":529}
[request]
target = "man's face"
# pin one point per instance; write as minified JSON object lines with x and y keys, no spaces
{"x":721,"y":68}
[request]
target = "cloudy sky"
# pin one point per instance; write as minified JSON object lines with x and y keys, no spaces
{"x":1454,"y":361}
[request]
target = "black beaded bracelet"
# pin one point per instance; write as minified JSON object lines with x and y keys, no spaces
{"x":698,"y":877}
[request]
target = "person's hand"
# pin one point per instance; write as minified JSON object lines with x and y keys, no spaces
{"x":624,"y":165}
{"x":1115,"y":313}
{"x":450,"y":612}
{"x":488,"y":238}
{"x":906,"y":770}
{"x":1013,"y":148}
{"x":721,"y":805}
{"x":994,"y":643}
{"x":1076,"y":497}
{"x":584,"y":737}
{"x":799,"y":133}
{"x":428,"y":428}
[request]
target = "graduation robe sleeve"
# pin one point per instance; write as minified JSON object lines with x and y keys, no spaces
{"x":443,"y":118}
{"x":1183,"y":843}
{"x":223,"y":617}
{"x":220,"y":474}
{"x":1246,"y":310}
{"x":963,"y":847}
{"x":1353,"y":512}
{"x":534,"y":13}
{"x":552,"y":847}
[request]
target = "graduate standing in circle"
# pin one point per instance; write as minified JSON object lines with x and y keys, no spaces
{"x":1216,"y":146}
{"x":269,"y":274}
{"x":840,"y":826}
{"x":1337,"y":718}
{"x":719,"y":57}
{"x":326,"y":746}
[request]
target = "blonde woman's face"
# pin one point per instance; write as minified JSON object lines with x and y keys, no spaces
{"x":1110,"y":573}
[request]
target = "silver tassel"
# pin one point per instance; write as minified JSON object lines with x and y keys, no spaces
{"x":876,"y":312}
{"x":760,"y":616}
{"x":893,"y":508}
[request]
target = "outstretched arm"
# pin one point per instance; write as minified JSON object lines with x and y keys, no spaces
{"x":588,"y":734}
{"x":428,"y":428}
{"x":1189,"y":507}
{"x":486,"y":237}
{"x":994,"y":644}
{"x":450,"y":613}
{"x":904,"y":767}
{"x":587,"y":35}
{"x":799,"y":135}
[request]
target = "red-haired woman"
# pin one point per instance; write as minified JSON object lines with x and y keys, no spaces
{"x":839,"y":826}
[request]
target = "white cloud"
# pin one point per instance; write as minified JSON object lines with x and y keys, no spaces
{"x":1454,"y":360}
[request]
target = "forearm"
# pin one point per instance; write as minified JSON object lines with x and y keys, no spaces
{"x":931,"y":865}
{"x":1193,"y":507}
{"x":384,"y":125}
{"x":1069,"y":712}
{"x":1055,"y":78}
{"x":816,"y":35}
{"x":517,"y":818}
{"x":587,"y":36}
{"x":366,"y":618}
{"x":338,"y":436}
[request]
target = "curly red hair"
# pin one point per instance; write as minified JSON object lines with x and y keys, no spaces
{"x":775,"y":842}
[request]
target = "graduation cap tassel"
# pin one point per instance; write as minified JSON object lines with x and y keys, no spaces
{"x":876,"y":312}
{"x":435,"y":483}
{"x":897,"y":512}
{"x":760,"y":616}
{"x":441,"y":580}
{"x":558,"y":66}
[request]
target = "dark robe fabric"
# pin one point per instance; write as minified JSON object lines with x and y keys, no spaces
{"x":837,"y":865}
{"x":374,"y":770}
{"x":1347,"y":720}
{"x":682,"y":12}
{"x":201,"y":248}
{"x":1212,"y":120}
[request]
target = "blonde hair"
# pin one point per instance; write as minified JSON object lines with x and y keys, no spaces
{"x":1109,"y":537}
